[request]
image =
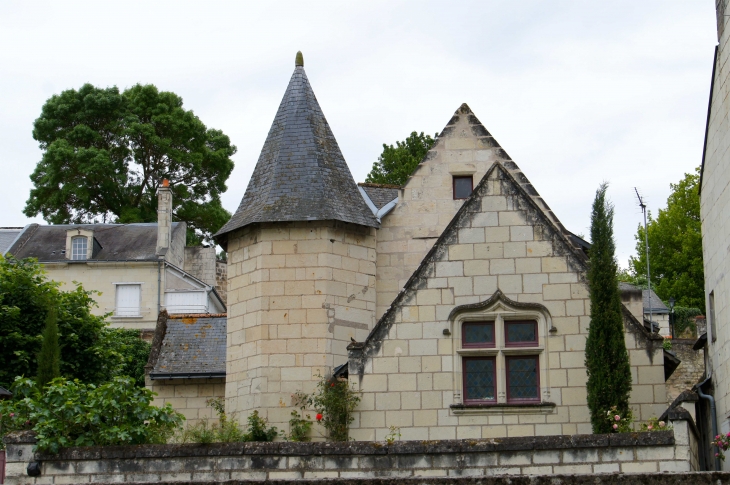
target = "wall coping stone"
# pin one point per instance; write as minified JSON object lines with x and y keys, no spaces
{"x":675,"y":478}
{"x":657,"y":438}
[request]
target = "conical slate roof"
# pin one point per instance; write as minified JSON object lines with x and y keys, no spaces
{"x":301,"y":174}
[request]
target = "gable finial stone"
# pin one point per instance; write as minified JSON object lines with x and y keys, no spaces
{"x":299,"y":61}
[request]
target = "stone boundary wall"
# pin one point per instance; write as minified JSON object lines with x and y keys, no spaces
{"x":664,"y":451}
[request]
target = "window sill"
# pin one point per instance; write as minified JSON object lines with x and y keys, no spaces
{"x":126,"y":316}
{"x":504,"y":408}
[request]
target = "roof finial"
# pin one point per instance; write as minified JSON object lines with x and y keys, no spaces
{"x":299,"y":61}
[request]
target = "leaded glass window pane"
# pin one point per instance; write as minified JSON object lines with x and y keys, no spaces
{"x":522,"y":379}
{"x":521,"y":333}
{"x":479,"y":379}
{"x":78,"y":248}
{"x":478,"y":334}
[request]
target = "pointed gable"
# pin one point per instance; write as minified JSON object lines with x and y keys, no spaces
{"x":503,"y":238}
{"x":301,"y":174}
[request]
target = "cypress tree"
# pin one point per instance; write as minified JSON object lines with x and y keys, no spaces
{"x":49,"y":359}
{"x":607,"y":361}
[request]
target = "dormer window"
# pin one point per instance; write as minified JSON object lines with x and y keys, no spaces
{"x":79,"y":247}
{"x":81,"y":244}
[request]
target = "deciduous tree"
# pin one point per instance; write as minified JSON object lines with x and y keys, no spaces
{"x":105,"y":153}
{"x":607,"y":361}
{"x":49,"y":359}
{"x":675,"y":247}
{"x":397,"y":163}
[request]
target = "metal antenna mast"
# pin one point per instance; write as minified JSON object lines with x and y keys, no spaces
{"x":646,"y":241}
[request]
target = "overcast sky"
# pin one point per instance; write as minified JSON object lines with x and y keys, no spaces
{"x":576,"y":92}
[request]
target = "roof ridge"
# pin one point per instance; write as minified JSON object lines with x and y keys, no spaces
{"x":379,"y":186}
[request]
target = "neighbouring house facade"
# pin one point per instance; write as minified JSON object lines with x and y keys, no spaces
{"x":137,"y":269}
{"x":714,"y":207}
{"x":457,"y":303}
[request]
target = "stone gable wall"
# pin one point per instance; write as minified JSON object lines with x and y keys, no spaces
{"x":594,"y":455}
{"x":689,"y":372}
{"x":297,"y":294}
{"x":200,"y":262}
{"x":426,"y":204}
{"x":409,"y":373}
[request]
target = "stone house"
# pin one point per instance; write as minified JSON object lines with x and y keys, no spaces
{"x":457,"y":304}
{"x":138,"y":269}
{"x":714,"y":206}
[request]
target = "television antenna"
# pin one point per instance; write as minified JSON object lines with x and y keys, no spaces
{"x":646,"y":242}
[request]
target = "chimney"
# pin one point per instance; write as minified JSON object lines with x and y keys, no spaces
{"x":164,"y":217}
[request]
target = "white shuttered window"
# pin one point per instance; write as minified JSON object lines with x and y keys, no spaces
{"x":128,"y":301}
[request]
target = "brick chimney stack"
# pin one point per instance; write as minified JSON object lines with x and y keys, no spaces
{"x":164,"y":217}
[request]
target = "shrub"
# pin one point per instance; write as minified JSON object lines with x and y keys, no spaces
{"x":49,"y":359}
{"x":334,"y":400}
{"x":618,"y":423}
{"x":299,"y":427}
{"x":225,"y":431}
{"x":71,"y":413}
{"x":655,"y":425}
{"x":257,"y":430}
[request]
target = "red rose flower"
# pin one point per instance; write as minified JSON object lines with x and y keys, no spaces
{"x":319,"y":417}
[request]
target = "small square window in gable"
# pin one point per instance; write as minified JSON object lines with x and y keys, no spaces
{"x":463,"y":186}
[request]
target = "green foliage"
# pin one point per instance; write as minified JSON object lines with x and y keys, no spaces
{"x":334,"y":400}
{"x":683,"y":318}
{"x":607,"y":361}
{"x":393,"y":434}
{"x":300,"y":426}
{"x":667,"y":343}
{"x":105,"y":153}
{"x":129,"y":350}
{"x":70,"y":413}
{"x":49,"y":359}
{"x":225,"y":431}
{"x":26,"y":297}
{"x":618,"y":422}
{"x":675,"y":247}
{"x":397,"y":163}
{"x":655,"y":425}
{"x":257,"y":430}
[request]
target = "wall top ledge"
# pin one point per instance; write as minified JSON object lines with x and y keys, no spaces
{"x":657,"y":438}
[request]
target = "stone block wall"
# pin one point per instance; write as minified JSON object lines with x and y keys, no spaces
{"x":297,"y":294}
{"x":221,"y":280}
{"x":200,"y":262}
{"x":592,"y":455}
{"x":426,"y":203}
{"x":188,"y":396}
{"x":689,"y":372}
{"x":499,"y":260}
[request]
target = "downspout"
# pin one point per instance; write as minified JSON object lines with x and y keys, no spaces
{"x":159,"y":283}
{"x":713,"y":415}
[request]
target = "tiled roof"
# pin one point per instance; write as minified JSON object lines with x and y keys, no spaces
{"x":136,"y":242}
{"x":7,"y":236}
{"x":380,"y":194}
{"x":192,"y":347}
{"x":657,"y":305}
{"x":301,"y":174}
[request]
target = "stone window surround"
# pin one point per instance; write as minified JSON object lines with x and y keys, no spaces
{"x":71,"y":234}
{"x":500,"y":309}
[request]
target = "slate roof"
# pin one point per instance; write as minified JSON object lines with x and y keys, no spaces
{"x":301,"y":174}
{"x":7,"y":236}
{"x":380,"y":194}
{"x":657,"y":305}
{"x":192,"y":347}
{"x":117,"y":242}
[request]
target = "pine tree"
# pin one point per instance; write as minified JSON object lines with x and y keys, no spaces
{"x":49,"y":359}
{"x":607,"y":361}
